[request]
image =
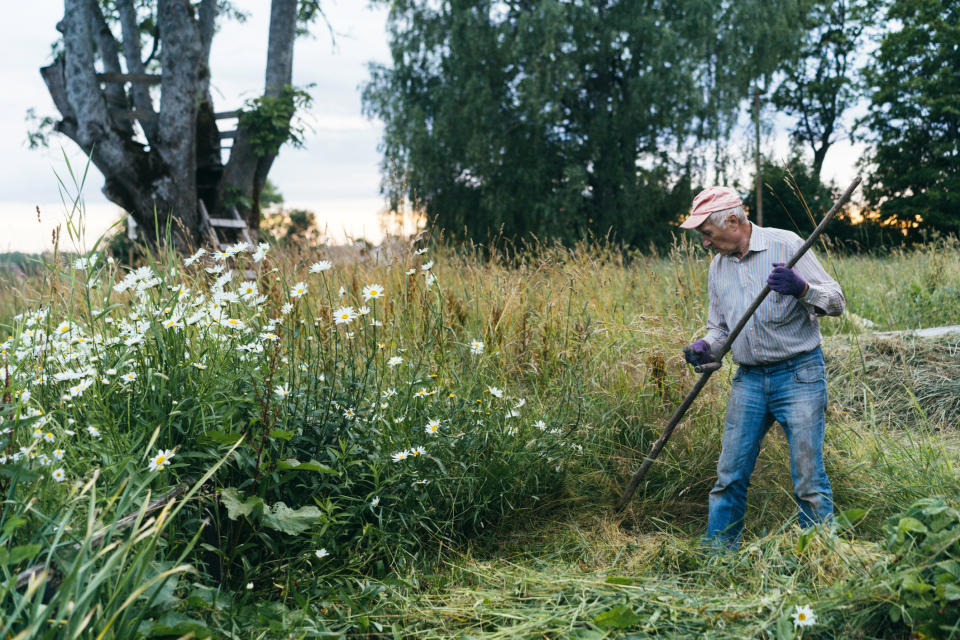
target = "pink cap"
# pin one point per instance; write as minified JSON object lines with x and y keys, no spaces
{"x":709,"y":200}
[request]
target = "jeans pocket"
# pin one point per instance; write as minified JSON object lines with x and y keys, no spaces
{"x":738,"y":375}
{"x":813,"y":372}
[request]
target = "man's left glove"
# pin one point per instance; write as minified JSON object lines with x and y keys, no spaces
{"x":786,"y":281}
{"x":698,"y":353}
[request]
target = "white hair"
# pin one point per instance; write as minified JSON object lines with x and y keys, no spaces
{"x":719,"y":218}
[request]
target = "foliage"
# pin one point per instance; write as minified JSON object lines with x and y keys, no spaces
{"x":926,"y":542}
{"x":913,"y":124}
{"x":563,"y":120}
{"x":269,"y":120}
{"x":820,"y":85}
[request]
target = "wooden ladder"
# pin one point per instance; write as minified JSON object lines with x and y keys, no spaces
{"x":236,"y":222}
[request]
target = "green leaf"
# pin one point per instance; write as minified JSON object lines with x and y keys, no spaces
{"x":803,"y":540}
{"x":237,"y":506}
{"x":850,"y":517}
{"x":618,"y":580}
{"x":282,"y":434}
{"x":11,"y":525}
{"x":175,"y":624}
{"x":219,"y":437}
{"x":291,"y":521}
{"x":909,"y":524}
{"x":16,"y":472}
{"x":23,"y":552}
{"x":620,"y":617}
{"x":951,"y":592}
{"x":313,"y":465}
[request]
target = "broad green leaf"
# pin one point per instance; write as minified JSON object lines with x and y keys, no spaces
{"x":237,"y":506}
{"x":313,"y":465}
{"x":11,"y":525}
{"x":620,"y":617}
{"x":220,"y":437}
{"x":16,"y":472}
{"x":850,"y":517}
{"x":23,"y":552}
{"x":282,"y":434}
{"x":291,"y":521}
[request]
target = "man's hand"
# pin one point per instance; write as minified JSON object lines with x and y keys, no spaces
{"x":786,"y":281}
{"x":698,"y":353}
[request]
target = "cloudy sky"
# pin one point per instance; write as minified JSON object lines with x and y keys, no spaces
{"x":335,"y":175}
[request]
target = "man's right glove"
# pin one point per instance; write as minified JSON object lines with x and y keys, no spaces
{"x":698,"y":353}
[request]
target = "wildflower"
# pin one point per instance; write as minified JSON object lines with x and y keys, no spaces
{"x":261,"y":252}
{"x":540,"y":424}
{"x":350,"y":414}
{"x":494,"y":391}
{"x":342,"y":292}
{"x":298,"y":290}
{"x":520,"y":403}
{"x":129,"y":377}
{"x":410,"y":272}
{"x":323,"y":265}
{"x":389,"y":392}
{"x":372,"y":292}
{"x":418,"y":451}
{"x":282,"y":391}
{"x":93,"y":431}
{"x":249,"y":586}
{"x":344,"y":315}
{"x":37,"y":434}
{"x":399,"y":419}
{"x":427,"y":266}
{"x":248,"y":290}
{"x":58,"y":454}
{"x":48,"y":437}
{"x":430,"y":279}
{"x":804,"y":616}
{"x":513,"y":413}
{"x":422,"y":393}
{"x":401,"y":455}
{"x":172,"y":323}
{"x":394,"y":361}
{"x":189,"y":261}
{"x":432,"y":427}
{"x":375,"y":502}
{"x":364,"y":310}
{"x":82,"y":263}
{"x":58,"y":475}
{"x":420,"y":252}
{"x":476,"y":346}
{"x":233,"y":323}
{"x":321,"y":553}
{"x":199,"y":365}
{"x":286,"y":308}
{"x":63,"y":328}
{"x":513,"y":431}
{"x":161,"y":460}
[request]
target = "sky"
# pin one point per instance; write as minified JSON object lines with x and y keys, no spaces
{"x":336,"y":174}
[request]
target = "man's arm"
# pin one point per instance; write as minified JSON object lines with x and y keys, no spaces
{"x":717,"y":328}
{"x":823,"y":295}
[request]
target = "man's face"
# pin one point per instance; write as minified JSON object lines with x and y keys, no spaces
{"x":728,"y":241}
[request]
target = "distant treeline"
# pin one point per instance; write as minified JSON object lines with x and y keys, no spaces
{"x":602,"y":118}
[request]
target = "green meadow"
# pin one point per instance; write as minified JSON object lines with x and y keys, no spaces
{"x":427,"y":441}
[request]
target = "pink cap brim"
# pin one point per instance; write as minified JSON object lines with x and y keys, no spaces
{"x":694,"y":221}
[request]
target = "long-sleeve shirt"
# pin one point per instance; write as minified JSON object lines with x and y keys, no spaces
{"x":783,"y":326}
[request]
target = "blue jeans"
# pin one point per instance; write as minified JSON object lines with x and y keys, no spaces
{"x":794,"y":393}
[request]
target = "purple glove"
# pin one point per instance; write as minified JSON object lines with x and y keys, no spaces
{"x":786,"y":281}
{"x":698,"y":353}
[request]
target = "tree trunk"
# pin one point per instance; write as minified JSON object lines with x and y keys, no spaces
{"x":159,"y":176}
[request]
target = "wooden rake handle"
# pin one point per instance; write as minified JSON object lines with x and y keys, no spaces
{"x":708,"y":369}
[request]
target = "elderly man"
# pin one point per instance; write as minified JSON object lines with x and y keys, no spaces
{"x":781,"y":374}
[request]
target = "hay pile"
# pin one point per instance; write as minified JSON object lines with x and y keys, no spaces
{"x":896,"y":380}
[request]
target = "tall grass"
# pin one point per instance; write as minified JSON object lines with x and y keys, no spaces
{"x":547,"y":373}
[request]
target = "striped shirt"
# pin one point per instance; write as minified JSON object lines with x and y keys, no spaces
{"x":783,"y":326}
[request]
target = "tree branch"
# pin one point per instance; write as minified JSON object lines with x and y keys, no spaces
{"x":131,"y":53}
{"x":208,"y":20}
{"x":82,"y":89}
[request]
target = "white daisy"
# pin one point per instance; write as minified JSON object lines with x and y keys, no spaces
{"x":344,"y":315}
{"x":129,"y":377}
{"x":58,"y":475}
{"x":282,"y":391}
{"x":161,"y":460}
{"x":804,"y":616}
{"x":401,"y":455}
{"x":321,"y":553}
{"x":375,"y":502}
{"x":394,"y":361}
{"x":494,"y":391}
{"x":323,"y":265}
{"x":298,"y":290}
{"x":476,"y":346}
{"x":432,"y":427}
{"x":93,"y":431}
{"x":372,"y":292}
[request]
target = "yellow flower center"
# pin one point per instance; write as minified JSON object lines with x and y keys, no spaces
{"x":801,"y":616}
{"x":160,"y":460}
